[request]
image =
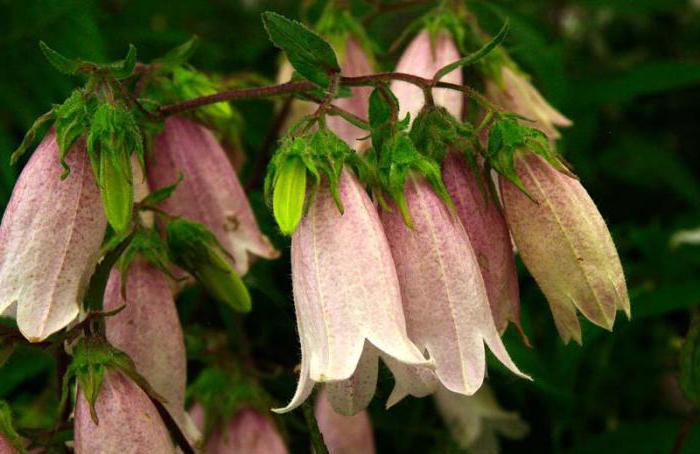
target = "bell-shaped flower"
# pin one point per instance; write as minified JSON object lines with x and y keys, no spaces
{"x":247,"y":432}
{"x":149,"y":331}
{"x":346,"y":295}
{"x":488,"y":233}
{"x":210,"y":192}
{"x":444,"y":297}
{"x":475,"y":422}
{"x":128,"y":422}
{"x":354,"y":62}
{"x":343,"y":434}
{"x":423,"y":57}
{"x":516,"y":94}
{"x":565,"y":245}
{"x":50,"y":240}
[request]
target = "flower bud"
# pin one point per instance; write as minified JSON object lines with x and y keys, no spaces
{"x":50,"y":240}
{"x":210,"y":192}
{"x":444,"y":297}
{"x":516,"y":94}
{"x":423,"y":57}
{"x":248,"y":432}
{"x":127,"y":420}
{"x":565,"y":245}
{"x":195,"y":249}
{"x":148,"y":330}
{"x":289,"y":194}
{"x":489,"y":236}
{"x":476,"y":421}
{"x":346,"y":293}
{"x":343,"y":434}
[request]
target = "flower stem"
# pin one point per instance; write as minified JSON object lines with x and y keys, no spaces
{"x":314,"y":432}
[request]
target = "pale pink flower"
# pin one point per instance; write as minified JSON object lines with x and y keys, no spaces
{"x":475,"y":422}
{"x":444,"y":297}
{"x":355,"y":62}
{"x":566,"y":245}
{"x":346,"y":295}
{"x":248,"y":432}
{"x":516,"y":94}
{"x":343,"y":434}
{"x":149,"y":331}
{"x":128,"y":421}
{"x":423,"y":57}
{"x":488,"y":233}
{"x":50,"y":240}
{"x":210,"y":192}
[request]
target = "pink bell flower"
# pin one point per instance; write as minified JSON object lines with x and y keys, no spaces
{"x":343,"y":434}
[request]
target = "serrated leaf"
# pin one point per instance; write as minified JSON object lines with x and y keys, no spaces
{"x":62,"y":64}
{"x":310,"y":55}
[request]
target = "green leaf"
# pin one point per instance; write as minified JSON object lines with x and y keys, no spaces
{"x":289,"y":194}
{"x":162,"y":194}
{"x":309,"y":54}
{"x":95,"y":292}
{"x":690,"y":362}
{"x":476,"y":56}
{"x":58,"y":61}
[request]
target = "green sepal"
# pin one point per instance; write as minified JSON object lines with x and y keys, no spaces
{"x":337,"y":25}
{"x":110,"y":251}
{"x":193,"y":84}
{"x":194,"y":248}
{"x":179,"y":55}
{"x":383,"y":115}
{"x":508,"y":138}
{"x":308,"y":53}
{"x":147,"y":245}
{"x":159,"y":195}
{"x":73,"y":119}
{"x":30,"y":136}
{"x":92,"y":357}
{"x":224,"y":389}
{"x":68,"y":66}
{"x":122,"y":69}
{"x":7,"y":428}
{"x":113,"y":137}
{"x":435,"y":132}
{"x":322,"y":154}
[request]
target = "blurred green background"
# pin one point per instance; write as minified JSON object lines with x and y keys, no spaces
{"x":627,"y":72}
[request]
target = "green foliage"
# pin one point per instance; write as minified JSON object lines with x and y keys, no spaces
{"x":309,"y":54}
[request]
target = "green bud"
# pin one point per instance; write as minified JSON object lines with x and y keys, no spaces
{"x":194,"y":248}
{"x":113,"y":137}
{"x":289,"y":194}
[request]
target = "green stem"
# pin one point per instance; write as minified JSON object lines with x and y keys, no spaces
{"x":314,"y":432}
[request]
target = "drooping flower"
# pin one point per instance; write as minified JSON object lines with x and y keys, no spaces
{"x":515,"y":93}
{"x":128,"y":422}
{"x":475,"y":422}
{"x":444,"y":297}
{"x":248,"y":432}
{"x":346,"y":295}
{"x":343,"y":434}
{"x":149,"y":331}
{"x":210,"y":192}
{"x":423,"y":57}
{"x":566,"y":246}
{"x":50,"y":240}
{"x":489,"y":236}
{"x":354,"y":62}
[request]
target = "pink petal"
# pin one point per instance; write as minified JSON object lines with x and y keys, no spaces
{"x":343,"y":434}
{"x":248,"y":432}
{"x":210,"y":193}
{"x":50,"y":240}
{"x":566,"y":246}
{"x":488,"y":235}
{"x":128,"y":421}
{"x":444,"y":296}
